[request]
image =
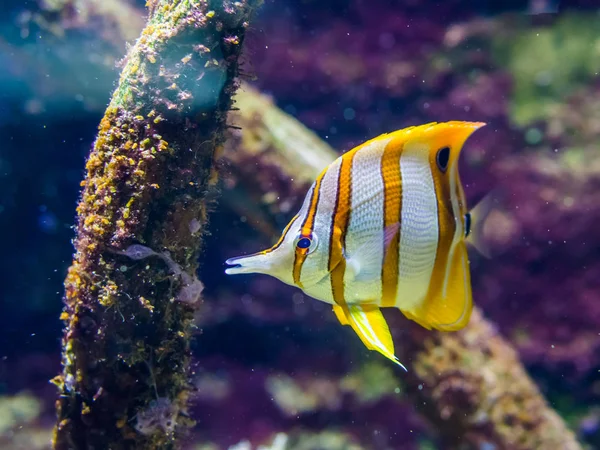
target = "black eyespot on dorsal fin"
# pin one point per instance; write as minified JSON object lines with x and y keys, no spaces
{"x":442,"y":158}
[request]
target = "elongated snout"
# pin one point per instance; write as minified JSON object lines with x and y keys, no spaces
{"x":255,"y":263}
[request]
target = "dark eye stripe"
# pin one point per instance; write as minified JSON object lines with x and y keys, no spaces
{"x":307,"y":227}
{"x":442,"y":158}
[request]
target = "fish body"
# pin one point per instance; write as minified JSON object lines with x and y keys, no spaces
{"x":384,"y":225}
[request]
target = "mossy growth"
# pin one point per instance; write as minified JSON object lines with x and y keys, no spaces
{"x":485,"y":396}
{"x":548,"y":62}
{"x":128,"y":323}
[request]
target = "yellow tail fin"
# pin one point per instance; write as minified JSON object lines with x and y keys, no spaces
{"x":371,"y":327}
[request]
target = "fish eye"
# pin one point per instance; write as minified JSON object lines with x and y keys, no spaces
{"x":304,"y":242}
{"x":442,"y":158}
{"x":307,"y":242}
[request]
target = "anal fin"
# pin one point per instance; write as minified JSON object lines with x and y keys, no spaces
{"x":370,"y":326}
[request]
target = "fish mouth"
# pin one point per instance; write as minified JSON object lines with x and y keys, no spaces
{"x":234,"y":261}
{"x":232,"y":266}
{"x":253,"y":263}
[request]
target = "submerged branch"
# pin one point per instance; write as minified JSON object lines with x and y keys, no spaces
{"x":469,"y":383}
{"x":131,"y":291}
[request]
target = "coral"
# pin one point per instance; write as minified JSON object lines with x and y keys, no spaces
{"x":302,"y":394}
{"x":304,"y":440}
{"x":294,"y":399}
{"x":371,"y":382}
{"x":472,"y":381}
{"x":17,"y":410}
{"x":327,"y":440}
{"x":126,"y":344}
{"x":20,"y":424}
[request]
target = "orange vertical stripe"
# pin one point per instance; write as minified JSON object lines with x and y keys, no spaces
{"x":341,"y":218}
{"x":392,"y":209}
{"x":307,"y":229}
{"x":446,"y":228}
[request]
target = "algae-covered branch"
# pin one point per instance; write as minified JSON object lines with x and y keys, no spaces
{"x":131,"y":291}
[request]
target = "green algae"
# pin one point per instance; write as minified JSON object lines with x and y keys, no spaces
{"x":371,"y":382}
{"x":548,"y":63}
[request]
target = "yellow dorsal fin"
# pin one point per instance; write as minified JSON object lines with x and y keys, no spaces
{"x":371,"y":327}
{"x":449,"y":309}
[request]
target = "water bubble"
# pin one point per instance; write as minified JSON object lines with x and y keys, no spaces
{"x":533,"y":136}
{"x":543,"y":78}
{"x":349,"y":114}
{"x":47,"y":221}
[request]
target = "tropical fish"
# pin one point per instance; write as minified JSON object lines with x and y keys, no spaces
{"x":384,"y":225}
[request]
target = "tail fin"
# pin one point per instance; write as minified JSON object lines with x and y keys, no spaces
{"x":478,"y":215}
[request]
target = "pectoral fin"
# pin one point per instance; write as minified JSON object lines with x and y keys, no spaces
{"x":371,"y":327}
{"x":362,"y":265}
